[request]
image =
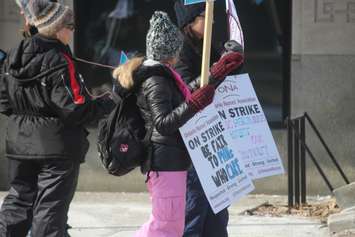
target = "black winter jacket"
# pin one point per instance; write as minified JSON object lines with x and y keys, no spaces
{"x":190,"y":59}
{"x":163,"y":106}
{"x":46,"y":102}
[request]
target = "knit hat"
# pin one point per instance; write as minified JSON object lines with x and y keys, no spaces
{"x":185,"y":14}
{"x":164,"y":40}
{"x":24,"y":6}
{"x":50,"y":17}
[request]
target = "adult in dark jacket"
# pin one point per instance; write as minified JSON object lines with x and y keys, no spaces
{"x":200,"y":221}
{"x":166,"y":103}
{"x":30,"y":30}
{"x":46,"y":140}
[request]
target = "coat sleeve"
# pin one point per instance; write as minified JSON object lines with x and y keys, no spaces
{"x":71,"y":102}
{"x":166,"y":119}
{"x":189,"y":64}
{"x":5,"y":107}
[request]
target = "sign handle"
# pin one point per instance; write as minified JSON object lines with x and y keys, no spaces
{"x":206,"y":56}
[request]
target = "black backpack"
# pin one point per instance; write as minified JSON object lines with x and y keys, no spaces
{"x":123,"y":142}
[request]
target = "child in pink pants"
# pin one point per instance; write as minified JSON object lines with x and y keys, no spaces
{"x":168,"y":194}
{"x":165,"y":103}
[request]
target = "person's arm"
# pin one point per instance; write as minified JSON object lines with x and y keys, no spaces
{"x":189,"y":63}
{"x":5,"y":107}
{"x":72,"y":104}
{"x":229,"y":63}
{"x":166,"y":119}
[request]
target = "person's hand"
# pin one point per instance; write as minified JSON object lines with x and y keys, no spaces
{"x":226,"y":64}
{"x":202,"y":97}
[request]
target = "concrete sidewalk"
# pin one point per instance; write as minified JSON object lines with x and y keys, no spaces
{"x":120,"y":214}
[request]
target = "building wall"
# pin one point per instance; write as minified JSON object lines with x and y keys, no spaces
{"x":322,"y":82}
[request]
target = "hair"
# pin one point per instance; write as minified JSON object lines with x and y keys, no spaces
{"x":124,"y":73}
{"x":188,"y":31}
{"x":194,"y":41}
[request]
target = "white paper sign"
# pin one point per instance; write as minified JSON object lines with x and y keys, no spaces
{"x":239,"y":107}
{"x":215,"y":159}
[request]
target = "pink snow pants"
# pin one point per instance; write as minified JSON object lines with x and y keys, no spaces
{"x":168,"y":196}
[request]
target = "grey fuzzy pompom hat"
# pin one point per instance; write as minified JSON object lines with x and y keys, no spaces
{"x":164,"y":40}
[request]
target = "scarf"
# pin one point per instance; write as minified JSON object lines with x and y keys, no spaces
{"x":181,"y":84}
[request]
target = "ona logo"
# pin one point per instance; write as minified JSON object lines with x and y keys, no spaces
{"x":124,"y":148}
{"x":228,"y":88}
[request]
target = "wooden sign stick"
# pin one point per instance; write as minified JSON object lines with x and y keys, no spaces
{"x":206,"y":56}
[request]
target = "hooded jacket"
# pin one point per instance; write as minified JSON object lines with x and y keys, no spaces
{"x":46,"y":102}
{"x":163,"y":107}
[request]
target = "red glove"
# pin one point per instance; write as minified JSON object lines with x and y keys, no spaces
{"x":226,"y":64}
{"x":202,"y":97}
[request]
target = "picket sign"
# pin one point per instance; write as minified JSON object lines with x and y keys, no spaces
{"x":244,"y":119}
{"x":230,"y":143}
{"x":215,"y":158}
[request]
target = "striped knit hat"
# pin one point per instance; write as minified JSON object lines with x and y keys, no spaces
{"x":23,"y":5}
{"x":50,"y":17}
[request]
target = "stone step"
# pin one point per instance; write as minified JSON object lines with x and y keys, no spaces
{"x":341,"y":222}
{"x":347,"y":233}
{"x":345,"y":196}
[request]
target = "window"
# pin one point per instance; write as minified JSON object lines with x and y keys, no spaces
{"x":104,"y":28}
{"x":267,"y":31}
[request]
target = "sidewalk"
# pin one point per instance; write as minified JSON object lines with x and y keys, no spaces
{"x":120,"y":214}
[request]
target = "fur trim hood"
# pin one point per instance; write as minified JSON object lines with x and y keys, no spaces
{"x":146,"y":70}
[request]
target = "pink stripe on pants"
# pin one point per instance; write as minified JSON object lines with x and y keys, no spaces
{"x":168,"y":195}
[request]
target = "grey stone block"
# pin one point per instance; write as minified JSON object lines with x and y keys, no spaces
{"x":345,"y":196}
{"x":347,"y":233}
{"x":330,"y":22}
{"x":341,"y":222}
{"x":350,"y":209}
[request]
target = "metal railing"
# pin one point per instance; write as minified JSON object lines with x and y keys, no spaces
{"x":297,"y":151}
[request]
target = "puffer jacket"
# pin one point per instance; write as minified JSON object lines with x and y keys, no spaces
{"x":164,"y":111}
{"x":46,"y":102}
